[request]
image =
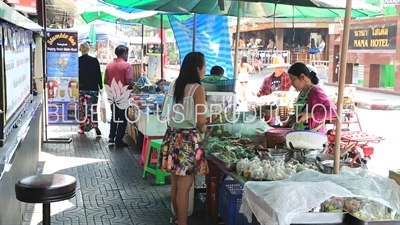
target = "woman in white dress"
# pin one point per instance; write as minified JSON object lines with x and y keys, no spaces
{"x":243,"y":77}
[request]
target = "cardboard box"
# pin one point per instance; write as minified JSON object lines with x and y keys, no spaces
{"x":395,"y":175}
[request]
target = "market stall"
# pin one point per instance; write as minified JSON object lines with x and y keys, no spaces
{"x":252,"y":150}
{"x":252,"y":180}
{"x":106,"y":42}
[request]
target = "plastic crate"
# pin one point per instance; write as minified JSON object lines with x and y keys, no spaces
{"x":247,"y":223}
{"x":226,"y":85}
{"x":230,"y":200}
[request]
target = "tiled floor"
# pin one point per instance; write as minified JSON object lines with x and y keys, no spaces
{"x":110,"y":189}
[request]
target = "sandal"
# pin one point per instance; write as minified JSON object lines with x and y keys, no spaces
{"x":173,"y":220}
{"x":98,"y":132}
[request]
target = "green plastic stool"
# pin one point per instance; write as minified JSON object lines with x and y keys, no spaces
{"x":153,"y":167}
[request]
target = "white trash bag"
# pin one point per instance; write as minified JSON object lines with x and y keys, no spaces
{"x":102,"y":106}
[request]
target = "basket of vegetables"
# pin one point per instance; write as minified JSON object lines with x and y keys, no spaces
{"x":210,"y":82}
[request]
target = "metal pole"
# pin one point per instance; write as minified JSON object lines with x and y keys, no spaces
{"x":342,"y":80}
{"x":162,"y":45}
{"x":142,"y":52}
{"x":235,"y":59}
{"x":194,"y":32}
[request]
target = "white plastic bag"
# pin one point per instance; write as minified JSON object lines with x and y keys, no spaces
{"x":101,"y":106}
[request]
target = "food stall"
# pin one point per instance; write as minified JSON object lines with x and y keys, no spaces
{"x":253,"y":158}
{"x":243,"y":166}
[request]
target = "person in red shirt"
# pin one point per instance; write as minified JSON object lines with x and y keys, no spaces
{"x":120,"y":71}
{"x":279,"y":80}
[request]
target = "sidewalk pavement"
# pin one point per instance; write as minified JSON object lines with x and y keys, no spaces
{"x":110,"y":187}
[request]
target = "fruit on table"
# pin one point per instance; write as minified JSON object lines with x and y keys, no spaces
{"x":219,"y":131}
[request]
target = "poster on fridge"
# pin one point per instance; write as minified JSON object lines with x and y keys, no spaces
{"x":63,"y":112}
{"x":64,"y":89}
{"x":17,"y":75}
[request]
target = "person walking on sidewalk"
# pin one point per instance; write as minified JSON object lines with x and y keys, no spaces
{"x":117,"y":71}
{"x":89,"y":85}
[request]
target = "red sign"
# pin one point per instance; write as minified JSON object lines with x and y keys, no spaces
{"x":28,"y":6}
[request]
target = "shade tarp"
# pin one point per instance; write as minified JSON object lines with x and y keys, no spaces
{"x":316,"y":8}
{"x":104,"y":36}
{"x":131,"y":16}
{"x":212,"y":39}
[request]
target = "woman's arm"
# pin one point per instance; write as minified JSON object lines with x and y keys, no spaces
{"x":320,"y":106}
{"x":200,"y":108}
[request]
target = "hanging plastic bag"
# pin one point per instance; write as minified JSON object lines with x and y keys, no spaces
{"x":257,"y":128}
{"x":102,"y":106}
{"x":256,"y":132}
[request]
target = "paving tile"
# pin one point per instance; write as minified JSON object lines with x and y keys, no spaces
{"x":110,"y":187}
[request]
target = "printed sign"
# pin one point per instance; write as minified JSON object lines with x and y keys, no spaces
{"x":373,"y":37}
{"x":18,"y":82}
{"x":63,"y":76}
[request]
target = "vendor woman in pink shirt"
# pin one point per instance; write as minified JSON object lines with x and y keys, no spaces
{"x":313,"y":106}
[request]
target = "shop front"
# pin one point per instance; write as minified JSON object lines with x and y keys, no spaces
{"x":291,"y":39}
{"x":373,"y":46}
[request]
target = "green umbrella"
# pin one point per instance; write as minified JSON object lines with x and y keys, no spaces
{"x":296,"y":9}
{"x":92,"y":37}
{"x":131,"y":16}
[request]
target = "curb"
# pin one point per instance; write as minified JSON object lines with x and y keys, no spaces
{"x":374,"y":90}
{"x":377,"y":106}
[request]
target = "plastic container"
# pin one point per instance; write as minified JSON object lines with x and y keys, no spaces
{"x":191,"y":202}
{"x":226,"y":85}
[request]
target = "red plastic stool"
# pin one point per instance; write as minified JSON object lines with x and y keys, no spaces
{"x":145,"y":147}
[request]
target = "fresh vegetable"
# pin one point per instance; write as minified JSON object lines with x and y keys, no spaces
{"x":212,"y":79}
{"x":231,"y":149}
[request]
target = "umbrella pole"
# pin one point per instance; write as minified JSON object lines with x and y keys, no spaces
{"x":194,"y":32}
{"x":342,"y":80}
{"x":235,"y":59}
{"x":162,"y":45}
{"x":142,"y":53}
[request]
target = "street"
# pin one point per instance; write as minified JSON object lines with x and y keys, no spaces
{"x":375,"y":122}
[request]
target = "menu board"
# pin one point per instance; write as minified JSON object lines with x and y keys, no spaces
{"x":62,"y":73}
